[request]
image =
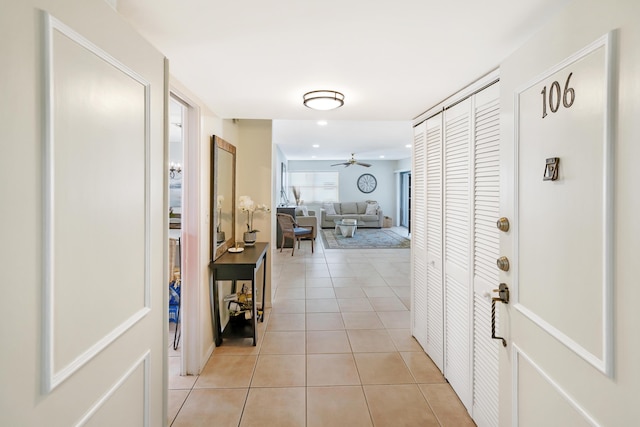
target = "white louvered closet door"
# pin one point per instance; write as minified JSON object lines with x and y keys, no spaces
{"x":458,"y":175}
{"x":418,"y":238}
{"x":486,"y":251}
{"x":433,"y":187}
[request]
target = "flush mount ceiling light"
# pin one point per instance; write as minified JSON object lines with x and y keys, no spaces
{"x":323,"y":99}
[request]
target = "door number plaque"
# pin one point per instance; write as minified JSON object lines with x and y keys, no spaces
{"x":551,"y":169}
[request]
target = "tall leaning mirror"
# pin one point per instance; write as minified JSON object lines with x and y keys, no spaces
{"x":223,"y":205}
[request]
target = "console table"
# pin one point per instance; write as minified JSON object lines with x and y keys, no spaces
{"x":238,"y":266}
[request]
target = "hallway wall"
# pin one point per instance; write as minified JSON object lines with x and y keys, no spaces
{"x":254,"y":178}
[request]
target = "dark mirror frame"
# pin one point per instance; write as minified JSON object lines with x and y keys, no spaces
{"x":218,"y":145}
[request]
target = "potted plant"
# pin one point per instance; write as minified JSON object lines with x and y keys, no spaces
{"x":245,"y":204}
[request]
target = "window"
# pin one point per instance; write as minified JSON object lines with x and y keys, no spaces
{"x":315,"y":187}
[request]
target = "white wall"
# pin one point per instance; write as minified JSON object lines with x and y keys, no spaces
{"x":404,"y":164}
{"x":254,"y":179}
{"x":385,"y":193}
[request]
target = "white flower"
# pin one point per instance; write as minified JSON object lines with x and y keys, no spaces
{"x":245,"y":204}
{"x":263,"y":207}
{"x":220,"y":201}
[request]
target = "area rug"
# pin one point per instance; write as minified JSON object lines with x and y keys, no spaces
{"x":365,"y":238}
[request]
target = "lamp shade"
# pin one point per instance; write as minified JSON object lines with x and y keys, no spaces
{"x":323,"y":99}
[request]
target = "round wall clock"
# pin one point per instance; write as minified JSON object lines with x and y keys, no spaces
{"x":367,"y":183}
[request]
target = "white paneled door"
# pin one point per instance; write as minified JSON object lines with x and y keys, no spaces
{"x":573,"y":341}
{"x":87,"y":233}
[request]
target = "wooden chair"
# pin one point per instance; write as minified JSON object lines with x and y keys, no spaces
{"x":291,"y":230}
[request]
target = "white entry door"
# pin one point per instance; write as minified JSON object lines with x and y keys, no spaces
{"x":84,"y":218}
{"x":562,"y":366}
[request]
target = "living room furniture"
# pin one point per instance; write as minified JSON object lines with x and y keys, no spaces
{"x":238,"y":266}
{"x":351,"y":210}
{"x":291,"y":230}
{"x":291,"y":210}
{"x":347,"y":227}
{"x":306,"y":218}
{"x":302,"y":217}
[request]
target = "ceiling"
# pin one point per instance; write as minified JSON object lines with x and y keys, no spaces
{"x":392,"y":60}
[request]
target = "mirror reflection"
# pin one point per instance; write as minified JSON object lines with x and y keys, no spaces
{"x":223,"y":197}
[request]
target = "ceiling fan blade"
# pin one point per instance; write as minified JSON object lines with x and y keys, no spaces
{"x":341,"y":164}
{"x":366,"y":165}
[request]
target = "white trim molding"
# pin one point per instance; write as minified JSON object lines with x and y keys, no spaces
{"x":51,"y":377}
{"x":518,"y":354}
{"x":603,"y":363}
{"x":144,"y":361}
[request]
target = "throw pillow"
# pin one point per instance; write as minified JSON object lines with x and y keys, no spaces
{"x":372,"y":209}
{"x":349,"y":208}
{"x":329,"y":208}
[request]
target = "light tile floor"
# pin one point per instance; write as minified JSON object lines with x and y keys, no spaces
{"x":335,"y":350}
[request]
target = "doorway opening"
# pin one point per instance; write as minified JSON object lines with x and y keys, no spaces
{"x":405,"y":200}
{"x":177,"y":120}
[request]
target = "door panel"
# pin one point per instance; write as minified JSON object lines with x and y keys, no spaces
{"x":89,"y":231}
{"x":532,"y":384}
{"x":420,"y":301}
{"x":75,"y":247}
{"x":435,"y":294}
{"x":485,"y":253}
{"x":457,"y":249}
{"x":576,"y":206}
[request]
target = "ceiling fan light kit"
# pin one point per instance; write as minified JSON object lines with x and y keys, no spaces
{"x":352,"y":161}
{"x":323,"y":100}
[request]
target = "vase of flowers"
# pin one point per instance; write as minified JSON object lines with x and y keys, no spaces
{"x":245,"y":204}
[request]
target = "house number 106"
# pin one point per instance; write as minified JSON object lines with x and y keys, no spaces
{"x":555,"y":94}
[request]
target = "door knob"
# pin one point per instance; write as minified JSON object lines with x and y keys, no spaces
{"x":503,"y":263}
{"x":503,"y":224}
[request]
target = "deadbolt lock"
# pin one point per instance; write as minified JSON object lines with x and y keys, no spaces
{"x":503,"y":224}
{"x":503,"y":263}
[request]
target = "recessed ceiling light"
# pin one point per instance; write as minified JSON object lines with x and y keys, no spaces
{"x":315,"y":146}
{"x":322,"y":122}
{"x":382,"y":157}
{"x":323,"y":100}
{"x":313,"y":157}
{"x":408,"y":145}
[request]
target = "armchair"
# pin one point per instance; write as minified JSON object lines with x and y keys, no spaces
{"x":291,"y":230}
{"x":309,"y":220}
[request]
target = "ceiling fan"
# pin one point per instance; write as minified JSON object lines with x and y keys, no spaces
{"x":352,"y":161}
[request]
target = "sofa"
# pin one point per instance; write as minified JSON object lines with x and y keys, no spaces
{"x":368,"y":212}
